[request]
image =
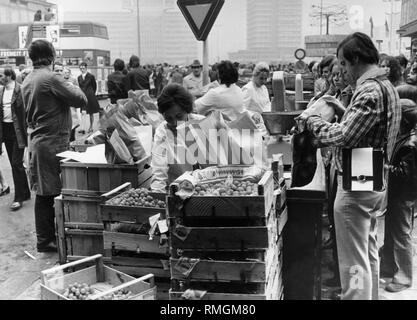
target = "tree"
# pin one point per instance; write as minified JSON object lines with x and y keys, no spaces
{"x":334,"y":14}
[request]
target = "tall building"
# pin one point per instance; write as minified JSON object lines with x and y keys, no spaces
{"x":274,"y":31}
{"x":164,"y":33}
{"x":21,"y":11}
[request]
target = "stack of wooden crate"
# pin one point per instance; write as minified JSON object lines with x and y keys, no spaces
{"x":137,"y":254}
{"x":78,"y":217}
{"x":226,"y":248}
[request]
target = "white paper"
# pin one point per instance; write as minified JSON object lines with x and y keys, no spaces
{"x":145,"y":135}
{"x":154,"y":219}
{"x":163,"y":226}
{"x":94,"y":154}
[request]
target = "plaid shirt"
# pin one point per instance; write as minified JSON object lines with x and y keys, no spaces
{"x":363,"y":124}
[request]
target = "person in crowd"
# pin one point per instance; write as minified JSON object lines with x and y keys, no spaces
{"x":19,"y":77}
{"x":175,"y":104}
{"x":67,"y":74}
{"x":227,"y":98}
{"x":176,"y":76}
{"x":14,"y":135}
{"x":363,"y":125}
{"x":194,"y":81}
{"x":138,"y":77}
{"x":397,"y":253}
{"x":392,"y":69}
{"x":323,"y":84}
{"x":49,"y":15}
{"x":311,"y":66}
{"x":214,"y":73}
{"x":116,"y":82}
{"x":256,"y":95}
{"x":87,"y":83}
{"x":403,"y":61}
{"x":5,"y":188}
{"x":158,"y":80}
{"x":38,"y":16}
{"x":59,"y":68}
{"x":47,"y":98}
{"x":412,"y":75}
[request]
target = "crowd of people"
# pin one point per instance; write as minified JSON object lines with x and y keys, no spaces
{"x":378,"y":95}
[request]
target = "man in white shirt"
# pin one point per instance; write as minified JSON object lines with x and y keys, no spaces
{"x":194,"y":81}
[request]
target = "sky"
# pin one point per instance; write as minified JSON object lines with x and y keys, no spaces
{"x":229,"y":31}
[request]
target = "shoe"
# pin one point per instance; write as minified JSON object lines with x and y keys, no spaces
{"x":328,"y":244}
{"x":51,"y":247}
{"x":16,"y":206}
{"x":336,"y":295}
{"x":332,"y":282}
{"x":396,"y":287}
{"x":5,"y":191}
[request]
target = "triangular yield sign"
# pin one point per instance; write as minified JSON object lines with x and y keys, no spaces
{"x":200,"y":15}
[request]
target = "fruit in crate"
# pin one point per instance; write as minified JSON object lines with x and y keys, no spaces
{"x":78,"y":291}
{"x":227,"y":189}
{"x":137,"y":198}
{"x":119,"y":295}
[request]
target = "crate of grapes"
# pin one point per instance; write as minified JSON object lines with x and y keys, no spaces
{"x":135,"y":238}
{"x":94,"y":281}
{"x":224,"y":235}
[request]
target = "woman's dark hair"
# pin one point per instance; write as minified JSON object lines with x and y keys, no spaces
{"x":42,"y":53}
{"x":408,"y":115}
{"x":10,"y":73}
{"x":175,"y":95}
{"x":310,"y":65}
{"x":327,"y":62}
{"x":134,"y":62}
{"x":83,"y":64}
{"x":119,"y":65}
{"x":407,"y":91}
{"x":228,"y":73}
{"x":395,"y":74}
{"x":358,"y":47}
{"x":402,"y":60}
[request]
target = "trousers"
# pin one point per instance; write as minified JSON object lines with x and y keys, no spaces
{"x":397,"y":253}
{"x":45,"y":220}
{"x":20,"y":180}
{"x":355,"y":216}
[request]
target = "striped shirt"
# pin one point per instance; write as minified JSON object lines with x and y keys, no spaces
{"x":364,"y":123}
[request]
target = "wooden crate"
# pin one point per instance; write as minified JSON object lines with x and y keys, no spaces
{"x":145,"y":255}
{"x":79,"y":225}
{"x":227,"y":246}
{"x":103,"y":279}
{"x":80,"y":179}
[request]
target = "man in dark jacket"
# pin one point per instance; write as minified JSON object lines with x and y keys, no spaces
{"x":137,"y":78}
{"x":116,"y":82}
{"x":47,"y":98}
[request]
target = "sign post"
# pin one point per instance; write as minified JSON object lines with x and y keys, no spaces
{"x":200,"y":16}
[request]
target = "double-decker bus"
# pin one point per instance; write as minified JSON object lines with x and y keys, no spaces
{"x":75,"y":42}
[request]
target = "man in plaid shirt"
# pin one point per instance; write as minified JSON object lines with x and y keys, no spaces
{"x":363,"y":125}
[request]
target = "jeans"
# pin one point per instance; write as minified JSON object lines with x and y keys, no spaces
{"x":356,"y":232}
{"x":45,"y":220}
{"x":397,"y":254}
{"x":20,"y":181}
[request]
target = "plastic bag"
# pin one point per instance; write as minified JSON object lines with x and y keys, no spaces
{"x":116,"y":150}
{"x":129,"y":136}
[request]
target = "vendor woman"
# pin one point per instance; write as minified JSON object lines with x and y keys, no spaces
{"x":176,"y":106}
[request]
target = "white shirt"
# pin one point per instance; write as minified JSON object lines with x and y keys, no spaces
{"x":194,"y":84}
{"x":164,"y":147}
{"x":227,"y":100}
{"x":256,"y":98}
{"x":7,"y":103}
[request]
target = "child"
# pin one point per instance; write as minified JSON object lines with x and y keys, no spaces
{"x":397,"y":254}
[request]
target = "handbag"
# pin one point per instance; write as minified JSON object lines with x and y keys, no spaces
{"x":363,"y":168}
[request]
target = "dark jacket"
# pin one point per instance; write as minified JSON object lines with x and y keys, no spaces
{"x":116,"y":86}
{"x":89,"y":87}
{"x":47,"y":98}
{"x":18,"y":115}
{"x":138,"y":79}
{"x":403,"y":169}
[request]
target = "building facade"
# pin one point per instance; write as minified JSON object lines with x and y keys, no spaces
{"x":21,"y":11}
{"x":408,"y":25}
{"x":274,"y":31}
{"x":164,"y":33}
